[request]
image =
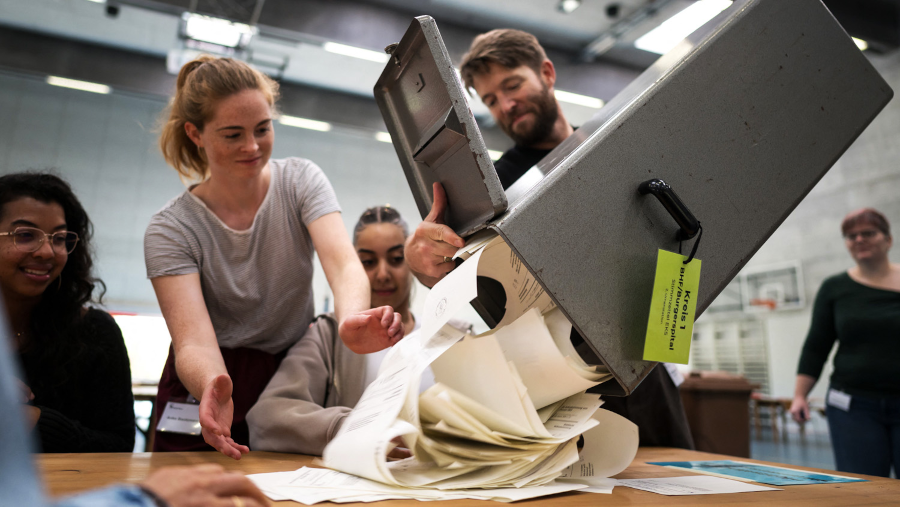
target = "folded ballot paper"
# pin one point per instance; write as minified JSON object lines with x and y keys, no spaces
{"x":504,"y":420}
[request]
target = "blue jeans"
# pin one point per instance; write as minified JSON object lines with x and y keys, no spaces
{"x":866,"y":438}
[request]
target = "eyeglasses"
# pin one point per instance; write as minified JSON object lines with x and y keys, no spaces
{"x":866,"y":234}
{"x":30,"y":239}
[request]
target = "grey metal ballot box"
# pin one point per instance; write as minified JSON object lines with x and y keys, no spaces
{"x":741,"y":120}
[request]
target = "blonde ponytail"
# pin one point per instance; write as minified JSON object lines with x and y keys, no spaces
{"x":201,"y":84}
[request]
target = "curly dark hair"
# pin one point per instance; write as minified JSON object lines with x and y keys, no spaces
{"x":63,"y":304}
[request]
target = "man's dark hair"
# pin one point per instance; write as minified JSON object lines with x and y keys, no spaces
{"x":504,"y":46}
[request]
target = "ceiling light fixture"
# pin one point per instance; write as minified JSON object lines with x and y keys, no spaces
{"x":216,"y":30}
{"x":355,"y":52}
{"x":861,"y":44}
{"x":581,"y":100}
{"x":673,"y":30}
{"x":97,"y":1}
{"x":383,"y":137}
{"x":304,"y":123}
{"x":78,"y":85}
{"x":567,"y":6}
{"x":495,"y":155}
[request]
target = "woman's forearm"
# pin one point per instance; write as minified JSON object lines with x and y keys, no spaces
{"x":351,"y":291}
{"x":197,"y":366}
{"x":198,"y":359}
{"x":804,"y":385}
{"x":340,"y":262}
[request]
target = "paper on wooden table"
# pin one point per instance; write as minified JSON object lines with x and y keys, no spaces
{"x":692,"y":485}
{"x":313,"y":485}
{"x":361,"y":445}
{"x":608,"y":449}
{"x":464,"y":444}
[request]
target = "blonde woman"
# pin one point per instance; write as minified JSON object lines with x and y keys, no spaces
{"x":230,"y":259}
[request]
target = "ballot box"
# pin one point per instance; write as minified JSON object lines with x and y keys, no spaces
{"x":728,"y":131}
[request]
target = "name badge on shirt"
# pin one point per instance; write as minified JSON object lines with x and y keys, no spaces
{"x":181,"y":418}
{"x":839,"y":399}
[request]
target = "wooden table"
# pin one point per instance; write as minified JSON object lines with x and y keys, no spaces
{"x":69,"y":473}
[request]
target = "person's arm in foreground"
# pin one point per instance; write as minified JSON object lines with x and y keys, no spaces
{"x":432,"y":242}
{"x":363,"y":329}
{"x":198,"y":359}
{"x":196,"y":486}
{"x":206,"y":485}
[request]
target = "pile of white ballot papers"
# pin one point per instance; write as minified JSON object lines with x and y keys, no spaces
{"x":507,"y":419}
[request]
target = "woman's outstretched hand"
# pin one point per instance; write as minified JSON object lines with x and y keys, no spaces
{"x":216,"y":414}
{"x":372,"y":330}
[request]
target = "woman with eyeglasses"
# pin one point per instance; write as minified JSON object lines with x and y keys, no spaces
{"x":321,"y":380}
{"x":77,"y":380}
{"x":859,"y":309}
{"x":231,"y":258}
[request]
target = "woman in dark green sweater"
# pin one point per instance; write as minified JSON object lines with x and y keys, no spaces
{"x":860,"y":309}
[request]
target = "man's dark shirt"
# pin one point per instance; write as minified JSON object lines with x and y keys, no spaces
{"x":515,"y":162}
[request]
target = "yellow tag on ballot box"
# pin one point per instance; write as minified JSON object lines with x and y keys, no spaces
{"x":672,"y":309}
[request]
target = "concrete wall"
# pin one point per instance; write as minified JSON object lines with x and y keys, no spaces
{"x":867,"y":175}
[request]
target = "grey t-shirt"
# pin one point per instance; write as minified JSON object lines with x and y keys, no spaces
{"x":257,"y":283}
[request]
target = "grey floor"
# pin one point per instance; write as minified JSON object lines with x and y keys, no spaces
{"x":810,"y":450}
{"x":813,"y":451}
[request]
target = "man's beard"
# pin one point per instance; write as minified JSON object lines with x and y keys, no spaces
{"x":545,"y":110}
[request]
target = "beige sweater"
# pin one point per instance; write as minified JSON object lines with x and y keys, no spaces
{"x":309,"y":396}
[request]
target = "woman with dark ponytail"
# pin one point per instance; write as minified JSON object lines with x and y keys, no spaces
{"x":77,"y":378}
{"x":231,"y":258}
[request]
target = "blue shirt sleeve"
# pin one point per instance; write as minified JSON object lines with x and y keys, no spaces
{"x":115,"y":496}
{"x":19,"y":481}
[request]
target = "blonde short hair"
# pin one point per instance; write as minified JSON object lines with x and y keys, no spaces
{"x":201,"y":84}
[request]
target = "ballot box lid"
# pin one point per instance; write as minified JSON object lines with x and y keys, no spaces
{"x":740,"y":120}
{"x":432,"y":128}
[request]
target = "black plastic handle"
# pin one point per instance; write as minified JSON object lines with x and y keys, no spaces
{"x":689,"y":226}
